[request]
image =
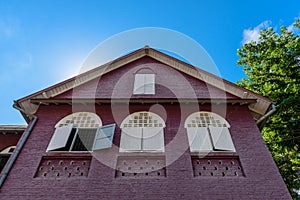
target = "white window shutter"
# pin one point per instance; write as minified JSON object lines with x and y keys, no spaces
{"x":221,"y":138}
{"x":104,"y":137}
{"x":149,"y":83}
{"x":60,"y":137}
{"x":131,"y":139}
{"x":139,"y":84}
{"x":199,"y":139}
{"x":153,"y":139}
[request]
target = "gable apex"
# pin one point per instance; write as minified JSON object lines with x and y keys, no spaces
{"x":258,"y":109}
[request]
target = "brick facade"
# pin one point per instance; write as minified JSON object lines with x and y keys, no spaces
{"x":260,"y":178}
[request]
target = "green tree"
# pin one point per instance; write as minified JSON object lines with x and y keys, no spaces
{"x":272,"y":66}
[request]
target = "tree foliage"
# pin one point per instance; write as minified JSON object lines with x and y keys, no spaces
{"x":272,"y":66}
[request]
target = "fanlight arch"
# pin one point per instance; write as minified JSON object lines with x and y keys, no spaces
{"x":205,"y":119}
{"x":8,"y":149}
{"x":81,"y":120}
{"x":143,"y":119}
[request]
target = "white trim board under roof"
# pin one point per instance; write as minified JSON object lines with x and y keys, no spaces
{"x":258,"y":109}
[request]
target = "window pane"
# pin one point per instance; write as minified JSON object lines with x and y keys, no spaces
{"x":104,"y":137}
{"x":199,"y":139}
{"x":221,"y":138}
{"x":84,"y":140}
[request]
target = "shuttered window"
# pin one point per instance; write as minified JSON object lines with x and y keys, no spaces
{"x":221,"y":139}
{"x":153,"y":139}
{"x":199,"y":139}
{"x":144,"y":84}
{"x":131,"y":139}
{"x":60,"y":137}
{"x":208,"y":132}
{"x":142,"y":131}
{"x":81,"y":131}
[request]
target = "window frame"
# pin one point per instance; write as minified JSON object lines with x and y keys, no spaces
{"x":73,"y":138}
{"x":138,"y":139}
{"x":67,"y":132}
{"x":218,"y":123}
{"x":144,"y":84}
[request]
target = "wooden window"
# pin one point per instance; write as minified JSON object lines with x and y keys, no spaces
{"x":81,"y":132}
{"x":83,"y":140}
{"x":221,"y":138}
{"x":60,"y":137}
{"x":144,"y":84}
{"x":199,"y":139}
{"x":208,"y":132}
{"x":142,"y":131}
{"x":104,"y":137}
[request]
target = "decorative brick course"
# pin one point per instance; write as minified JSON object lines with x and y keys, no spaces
{"x":63,"y":167}
{"x":217,"y":166}
{"x":141,"y":167}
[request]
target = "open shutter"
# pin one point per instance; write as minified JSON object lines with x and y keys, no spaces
{"x":199,"y":139}
{"x":131,"y":139}
{"x":153,"y":139}
{"x":104,"y":137}
{"x":149,"y":84}
{"x":60,"y":137}
{"x":139,"y":84}
{"x":221,"y":138}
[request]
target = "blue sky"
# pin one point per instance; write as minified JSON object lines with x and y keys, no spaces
{"x":45,"y":42}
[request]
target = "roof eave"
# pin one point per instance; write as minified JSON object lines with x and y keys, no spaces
{"x":259,"y":108}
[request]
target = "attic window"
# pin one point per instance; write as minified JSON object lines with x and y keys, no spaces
{"x":144,"y":84}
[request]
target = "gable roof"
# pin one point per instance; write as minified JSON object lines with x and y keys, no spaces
{"x":259,"y":108}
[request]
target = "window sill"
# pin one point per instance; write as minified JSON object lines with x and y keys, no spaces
{"x":144,"y":153}
{"x":215,"y":154}
{"x":68,"y":153}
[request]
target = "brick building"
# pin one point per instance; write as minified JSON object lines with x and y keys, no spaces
{"x":144,"y":126}
{"x":9,"y":137}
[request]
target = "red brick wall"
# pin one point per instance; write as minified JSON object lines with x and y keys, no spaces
{"x":261,"y":181}
{"x":170,"y":83}
{"x":7,"y":140}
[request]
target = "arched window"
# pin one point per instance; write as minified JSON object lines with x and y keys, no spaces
{"x":142,"y":131}
{"x":208,"y":132}
{"x":4,"y":156}
{"x":81,"y":131}
{"x":8,"y":150}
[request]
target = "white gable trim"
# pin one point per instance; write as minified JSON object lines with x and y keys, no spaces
{"x":259,"y":108}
